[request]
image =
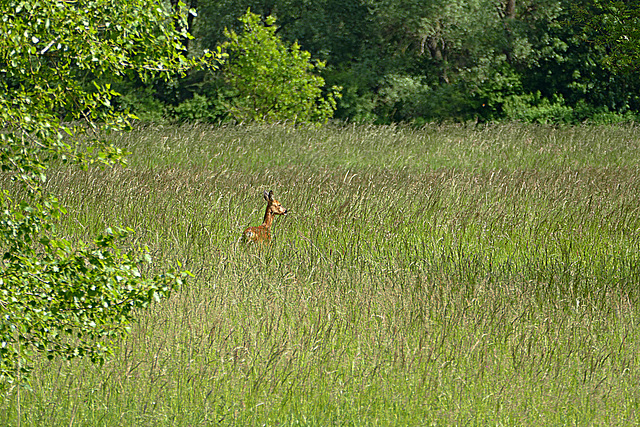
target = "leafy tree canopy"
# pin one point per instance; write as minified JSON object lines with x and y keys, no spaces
{"x":616,"y":27}
{"x":60,"y":298}
{"x":273,"y":81}
{"x":424,"y":60}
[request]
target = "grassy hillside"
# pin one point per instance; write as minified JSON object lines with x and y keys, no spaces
{"x":444,"y":276}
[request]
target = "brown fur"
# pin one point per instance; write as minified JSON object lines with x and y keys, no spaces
{"x":262,"y":233}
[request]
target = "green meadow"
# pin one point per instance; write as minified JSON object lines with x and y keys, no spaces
{"x":447,"y":275}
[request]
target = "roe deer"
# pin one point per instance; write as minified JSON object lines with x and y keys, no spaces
{"x":262,"y":233}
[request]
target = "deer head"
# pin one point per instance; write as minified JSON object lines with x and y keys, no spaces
{"x":262,"y":233}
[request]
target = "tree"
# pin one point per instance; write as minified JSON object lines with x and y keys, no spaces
{"x":272,"y":81}
{"x":58,"y":298}
{"x":422,"y":60}
{"x":616,"y":25}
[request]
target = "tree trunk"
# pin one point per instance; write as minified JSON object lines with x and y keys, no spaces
{"x":510,"y":9}
{"x":509,"y":15}
{"x":192,"y":4}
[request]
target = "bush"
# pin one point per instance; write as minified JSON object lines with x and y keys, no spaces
{"x":533,"y":108}
{"x":272,"y":81}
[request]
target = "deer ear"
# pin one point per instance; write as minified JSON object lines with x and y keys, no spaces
{"x":265,"y":195}
{"x":270,"y":196}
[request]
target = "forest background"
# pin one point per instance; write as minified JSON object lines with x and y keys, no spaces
{"x":544,"y":61}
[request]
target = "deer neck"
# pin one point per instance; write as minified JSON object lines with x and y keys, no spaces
{"x":268,"y":219}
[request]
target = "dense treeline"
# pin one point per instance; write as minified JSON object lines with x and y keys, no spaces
{"x":425,"y":60}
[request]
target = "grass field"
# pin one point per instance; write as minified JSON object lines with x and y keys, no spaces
{"x":450,"y":275}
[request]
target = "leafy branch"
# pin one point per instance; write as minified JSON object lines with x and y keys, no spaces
{"x":56,"y":60}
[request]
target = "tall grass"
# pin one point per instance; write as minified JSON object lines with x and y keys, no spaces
{"x":449,"y":275}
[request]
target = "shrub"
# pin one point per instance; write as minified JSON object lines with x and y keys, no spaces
{"x":272,"y":81}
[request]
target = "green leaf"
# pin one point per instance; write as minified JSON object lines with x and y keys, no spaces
{"x":79,"y":291}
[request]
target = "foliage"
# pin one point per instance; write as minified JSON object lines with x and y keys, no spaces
{"x":197,"y":109}
{"x":532,"y":108}
{"x":59,"y":298}
{"x":273,"y":81}
{"x":452,"y":53}
{"x":616,"y":27}
{"x":141,"y":99}
{"x":454,"y":49}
